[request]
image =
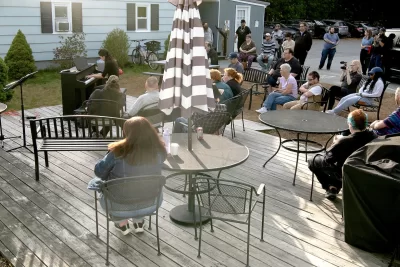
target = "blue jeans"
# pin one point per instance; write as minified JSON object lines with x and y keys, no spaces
{"x":375,"y":61}
{"x":179,"y":127}
{"x":260,"y":60}
{"x":330,"y":53}
{"x":272,"y":81}
{"x":350,"y":100}
{"x":277,"y":99}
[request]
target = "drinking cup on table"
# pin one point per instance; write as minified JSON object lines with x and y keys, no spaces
{"x":174,"y":149}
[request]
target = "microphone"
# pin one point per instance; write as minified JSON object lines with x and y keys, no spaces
{"x":14,"y":84}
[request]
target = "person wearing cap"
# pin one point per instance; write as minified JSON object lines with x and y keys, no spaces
{"x":328,"y":167}
{"x":372,"y":88}
{"x":235,"y":64}
{"x":241,"y":34}
{"x":248,"y":51}
{"x":390,"y":125}
{"x":267,"y":54}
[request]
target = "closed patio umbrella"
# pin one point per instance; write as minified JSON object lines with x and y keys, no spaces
{"x":186,"y":81}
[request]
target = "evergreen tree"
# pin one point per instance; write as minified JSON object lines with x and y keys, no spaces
{"x":19,"y":58}
{"x":4,"y":96}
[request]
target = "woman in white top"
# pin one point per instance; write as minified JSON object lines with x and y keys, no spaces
{"x":311,"y":94}
{"x":371,"y":89}
{"x":286,"y":92}
{"x":288,"y":43}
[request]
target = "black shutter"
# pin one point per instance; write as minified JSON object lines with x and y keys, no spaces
{"x":77,"y":17}
{"x":46,"y":17}
{"x":130,"y":17}
{"x":155,"y":17}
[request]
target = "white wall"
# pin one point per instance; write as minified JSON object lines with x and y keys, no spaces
{"x":99,"y":18}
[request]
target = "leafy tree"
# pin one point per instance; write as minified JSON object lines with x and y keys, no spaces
{"x":117,"y":43}
{"x":19,"y":58}
{"x":4,"y":96}
{"x":71,"y":47}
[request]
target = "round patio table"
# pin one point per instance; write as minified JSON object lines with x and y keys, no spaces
{"x":303,"y":122}
{"x":212,"y":153}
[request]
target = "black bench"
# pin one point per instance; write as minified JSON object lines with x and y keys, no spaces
{"x":72,"y":133}
{"x":257,"y":77}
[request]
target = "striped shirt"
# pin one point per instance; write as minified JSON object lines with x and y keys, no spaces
{"x":268,"y":47}
{"x":392,"y":124}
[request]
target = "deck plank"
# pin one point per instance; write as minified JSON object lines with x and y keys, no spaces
{"x":60,"y":209}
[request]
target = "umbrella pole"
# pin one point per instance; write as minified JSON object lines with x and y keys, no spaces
{"x":190,"y":133}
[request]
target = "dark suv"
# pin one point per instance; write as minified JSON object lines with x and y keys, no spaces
{"x":295,"y":24}
{"x":270,"y":26}
{"x":343,"y":29}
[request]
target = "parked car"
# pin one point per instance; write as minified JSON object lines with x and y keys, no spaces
{"x":366,"y":26}
{"x":270,"y":26}
{"x":295,"y":24}
{"x":343,"y":29}
{"x":355,"y":30}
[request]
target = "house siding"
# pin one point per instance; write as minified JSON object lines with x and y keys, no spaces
{"x":99,"y":17}
{"x":228,"y":12}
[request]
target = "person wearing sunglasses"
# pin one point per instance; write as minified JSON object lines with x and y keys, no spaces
{"x":371,"y":89}
{"x":310,"y":98}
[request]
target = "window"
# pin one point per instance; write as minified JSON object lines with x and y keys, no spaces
{"x":143,"y":17}
{"x":62,"y":17}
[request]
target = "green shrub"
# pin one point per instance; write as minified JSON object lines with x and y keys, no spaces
{"x":19,"y":58}
{"x":4,"y":96}
{"x":117,"y":43}
{"x":166,"y":46}
{"x":71,"y":47}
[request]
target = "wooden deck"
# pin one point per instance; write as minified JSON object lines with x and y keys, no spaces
{"x":52,"y":222}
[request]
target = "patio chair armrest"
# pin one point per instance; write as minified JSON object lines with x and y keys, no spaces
{"x":260,"y":189}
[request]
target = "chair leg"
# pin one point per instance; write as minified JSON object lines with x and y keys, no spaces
{"x":108,"y":241}
{"x":97,"y":217}
{"x":234,"y":131}
{"x":149,"y":223}
{"x":158,"y":236}
{"x":263,"y":217}
{"x":243,"y":121}
{"x":201,"y":229}
{"x":212,"y":226}
{"x":46,"y":159}
{"x":248,"y":243}
{"x":312,"y":186}
{"x":184,"y":189}
{"x":251,"y":97}
{"x":232,"y":128}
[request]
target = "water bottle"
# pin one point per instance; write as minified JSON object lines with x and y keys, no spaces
{"x":167,"y":140}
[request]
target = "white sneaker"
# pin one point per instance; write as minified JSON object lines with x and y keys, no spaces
{"x":329,"y":112}
{"x":262,"y":110}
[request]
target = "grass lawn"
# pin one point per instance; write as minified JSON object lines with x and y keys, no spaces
{"x":45,"y":88}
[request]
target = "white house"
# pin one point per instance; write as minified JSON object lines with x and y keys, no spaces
{"x":43,"y":21}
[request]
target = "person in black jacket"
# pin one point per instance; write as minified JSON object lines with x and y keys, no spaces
{"x":303,"y":43}
{"x":110,"y":65}
{"x":328,"y":168}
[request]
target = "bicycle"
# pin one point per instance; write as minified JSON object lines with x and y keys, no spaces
{"x":144,"y":53}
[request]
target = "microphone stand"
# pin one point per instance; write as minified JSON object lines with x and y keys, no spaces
{"x":12,"y":86}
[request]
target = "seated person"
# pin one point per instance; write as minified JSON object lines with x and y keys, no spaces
{"x":350,"y":78}
{"x":212,"y":54}
{"x":234,"y":79}
{"x":111,"y":91}
{"x":275,"y":71}
{"x":267,"y":54}
{"x":328,"y":168}
{"x":225,"y":90}
{"x":235,"y":64}
{"x":286,"y":92}
{"x":180,"y":125}
{"x":288,"y":43}
{"x":311,"y":93}
{"x":372,"y":88}
{"x":110,"y":65}
{"x":390,"y":125}
{"x":142,"y":152}
{"x":150,"y":97}
{"x":248,"y":51}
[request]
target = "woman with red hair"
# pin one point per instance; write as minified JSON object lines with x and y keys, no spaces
{"x":141,"y":152}
{"x":328,"y":168}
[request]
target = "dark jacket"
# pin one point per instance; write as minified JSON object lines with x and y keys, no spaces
{"x":213,"y":55}
{"x":235,"y":86}
{"x":110,"y":68}
{"x":303,"y":42}
{"x":103,"y":108}
{"x":338,"y":153}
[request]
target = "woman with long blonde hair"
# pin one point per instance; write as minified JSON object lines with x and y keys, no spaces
{"x":141,"y":152}
{"x":234,"y":79}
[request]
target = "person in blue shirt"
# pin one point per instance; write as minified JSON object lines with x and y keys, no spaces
{"x":142,"y":152}
{"x":331,"y":41}
{"x":365,"y":54}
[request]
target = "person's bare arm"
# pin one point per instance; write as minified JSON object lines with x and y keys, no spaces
{"x":376,"y":125}
{"x":293,"y":74}
{"x":96,"y":75}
